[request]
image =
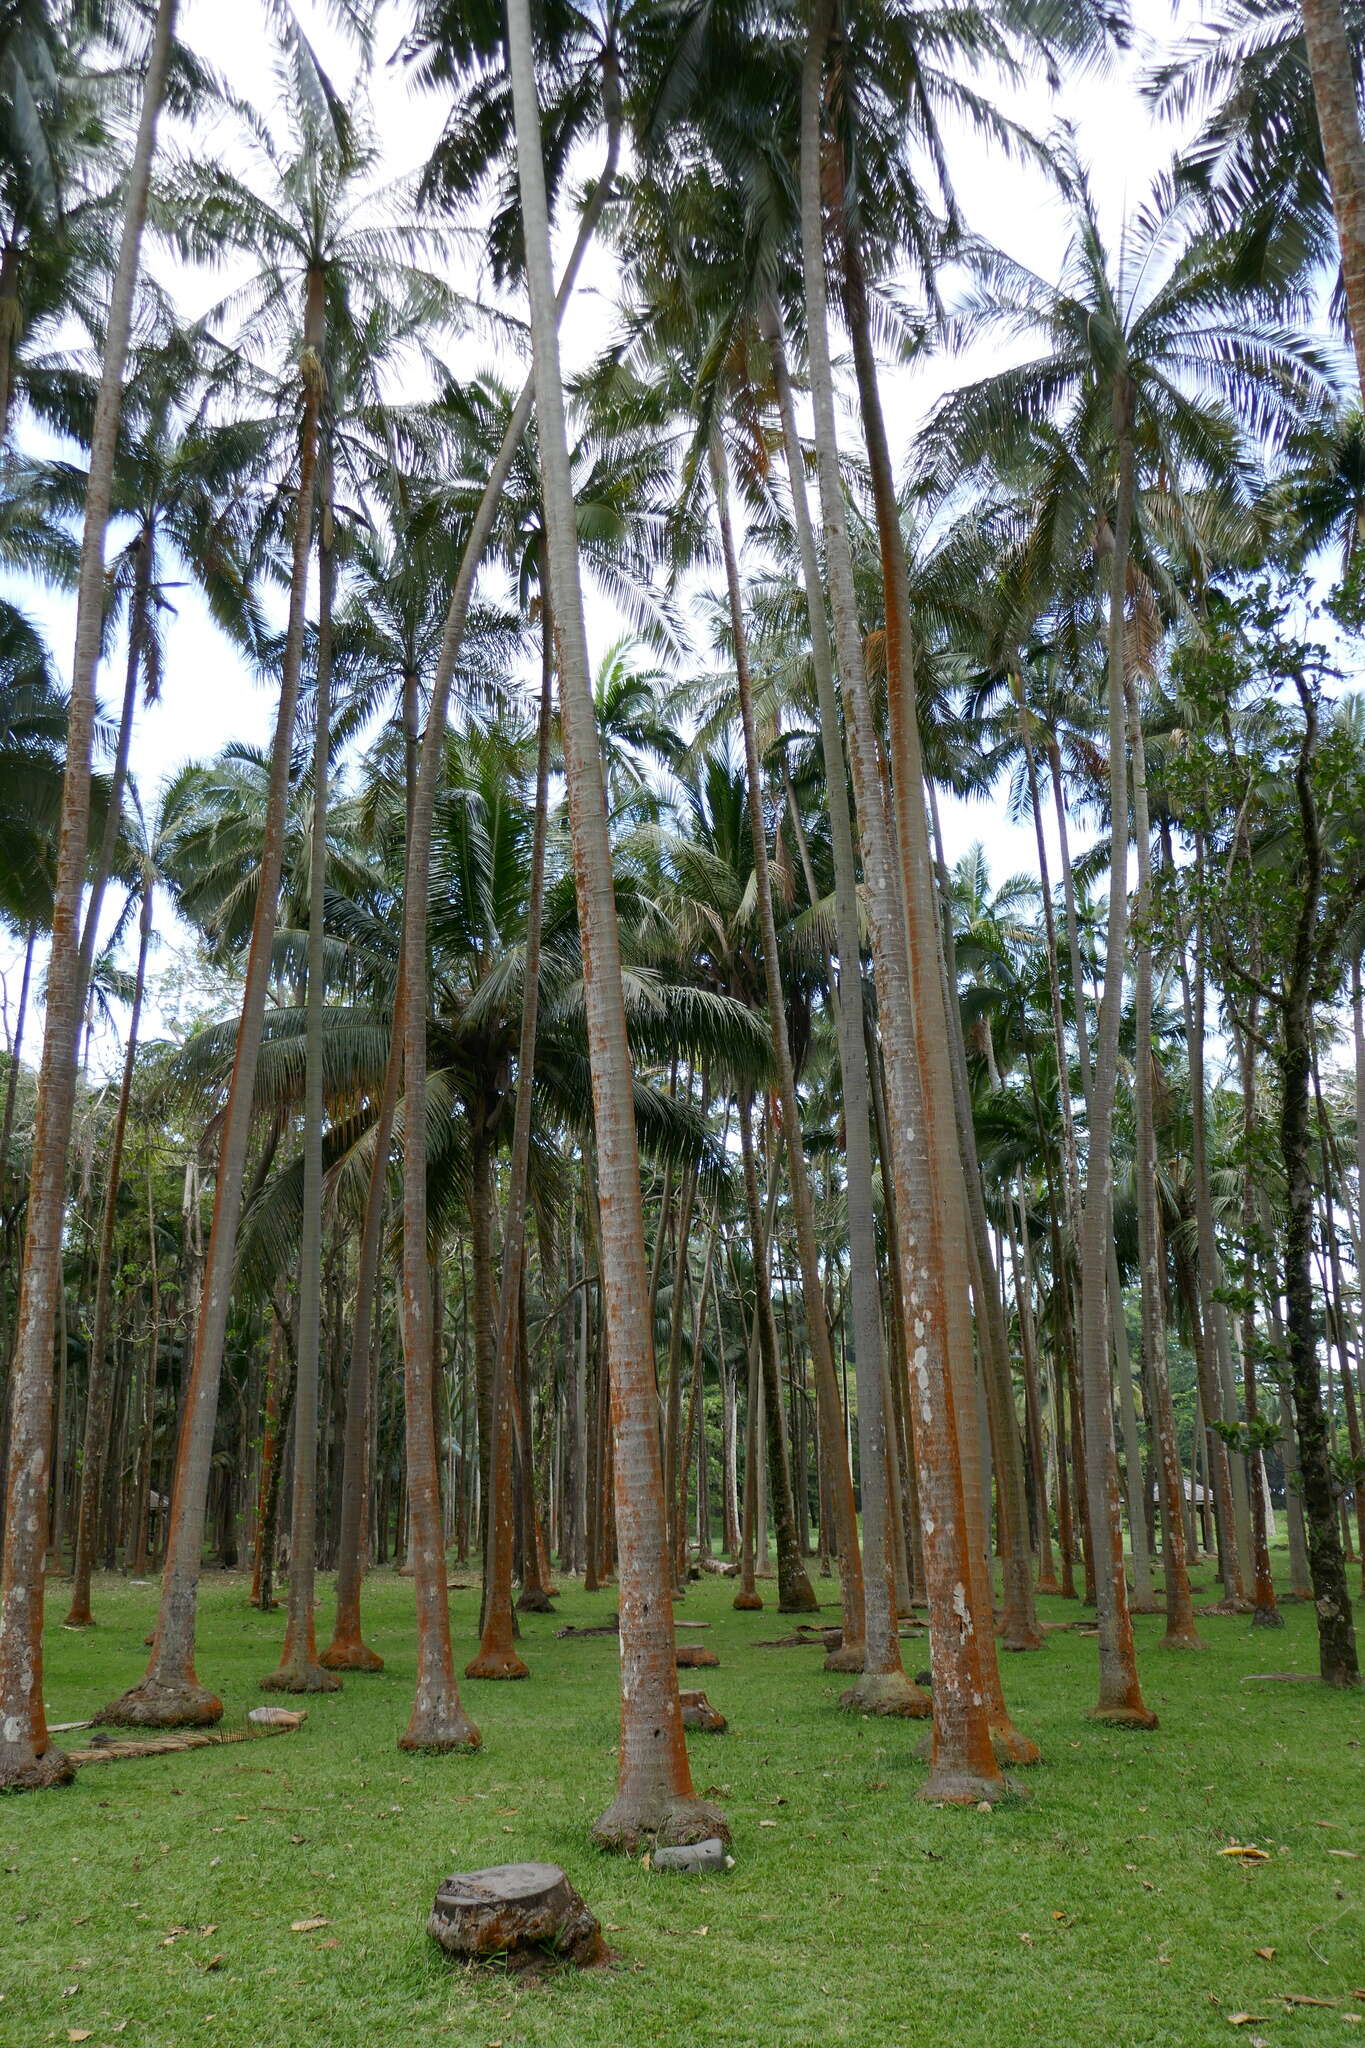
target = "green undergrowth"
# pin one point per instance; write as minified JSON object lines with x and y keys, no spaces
{"x":150,"y":1905}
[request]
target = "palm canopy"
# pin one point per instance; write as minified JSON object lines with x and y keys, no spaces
{"x":1213,"y":381}
{"x":1257,"y":158}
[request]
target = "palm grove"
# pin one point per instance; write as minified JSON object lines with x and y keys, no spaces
{"x":609,"y":1136}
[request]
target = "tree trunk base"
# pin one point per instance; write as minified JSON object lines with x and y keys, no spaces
{"x":698,"y":1712}
{"x":1125,"y":1716}
{"x":1021,"y":1638}
{"x":842,"y":1656}
{"x":300,"y":1678}
{"x":1182,"y":1639}
{"x":1010,"y":1746}
{"x":1267,"y":1617}
{"x":635,"y":1820}
{"x":160,"y":1703}
{"x":440,"y":1733}
{"x":522,"y":1916}
{"x":83,"y":1619}
{"x":747,"y":1603}
{"x":1151,"y":1605}
{"x":22,"y":1771}
{"x":952,"y":1785}
{"x":350,"y":1655}
{"x":891,"y":1693}
{"x":535,"y":1600}
{"x":797,"y":1598}
{"x":1050,"y":1587}
{"x":496,"y":1664}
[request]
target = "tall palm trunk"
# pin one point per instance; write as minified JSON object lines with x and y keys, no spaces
{"x":170,"y":1694}
{"x":1181,"y":1633}
{"x":138,"y":627}
{"x":1054,"y":978}
{"x":748,"y":1599}
{"x":1331,"y":63}
{"x":963,"y":1767}
{"x":850,"y":1655}
{"x":883,"y":1672}
{"x":1337,"y":1658}
{"x":794,"y":1594}
{"x":26,"y":1757}
{"x":438,"y":1721}
{"x":1204,"y":1332}
{"x":1019,"y":1628}
{"x":946,"y":1203}
{"x":1120,"y":1694}
{"x":260,"y":1595}
{"x":99,"y":1382}
{"x":298,"y":1669}
{"x":1021,"y":1270}
{"x":348,"y":1650}
{"x":497,"y":1656}
{"x":654,"y":1795}
{"x":1265,"y":1612}
{"x":15,"y":1049}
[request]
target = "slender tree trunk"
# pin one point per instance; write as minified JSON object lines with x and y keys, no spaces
{"x":942,"y":1193}
{"x":963,"y":1767}
{"x":1019,"y":1618}
{"x":143,"y":1486}
{"x":170,"y":1694}
{"x":26,"y":1756}
{"x":882,"y":1658}
{"x":298,"y":1669}
{"x":1331,"y":1598}
{"x":138,"y":627}
{"x":348,"y":1650}
{"x":851,"y":1655}
{"x":1120,"y":1695}
{"x":497,"y":1656}
{"x":654,"y":1796}
{"x":1331,"y":64}
{"x":748,"y":1599}
{"x":99,"y":1374}
{"x":270,"y":1450}
{"x":794,"y":1594}
{"x":11,"y":330}
{"x":438,"y":1721}
{"x":16,"y":1048}
{"x":1181,"y":1633}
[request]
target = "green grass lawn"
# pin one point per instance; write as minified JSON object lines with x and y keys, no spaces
{"x":1099,"y":1910}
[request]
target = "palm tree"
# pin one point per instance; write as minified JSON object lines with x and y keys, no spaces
{"x":55,"y":146}
{"x":26,"y":1756}
{"x":1156,"y":361}
{"x":99,"y":1382}
{"x":438,"y":1721}
{"x":320,"y":256}
{"x":178,"y":478}
{"x":654,"y":1793}
{"x":925,"y":1171}
{"x":1280,"y":155}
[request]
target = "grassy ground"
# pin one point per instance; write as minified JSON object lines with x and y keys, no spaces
{"x":1098,"y":1911}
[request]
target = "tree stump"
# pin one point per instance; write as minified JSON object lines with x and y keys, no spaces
{"x":698,"y":1712}
{"x":523,"y":1915}
{"x":694,"y":1657}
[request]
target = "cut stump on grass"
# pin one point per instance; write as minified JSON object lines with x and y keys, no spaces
{"x":523,"y":1916}
{"x":694,"y":1657}
{"x":698,"y":1712}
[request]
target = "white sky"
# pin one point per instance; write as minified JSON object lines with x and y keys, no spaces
{"x":209,"y":698}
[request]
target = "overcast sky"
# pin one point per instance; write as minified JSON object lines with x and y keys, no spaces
{"x":209,"y":698}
